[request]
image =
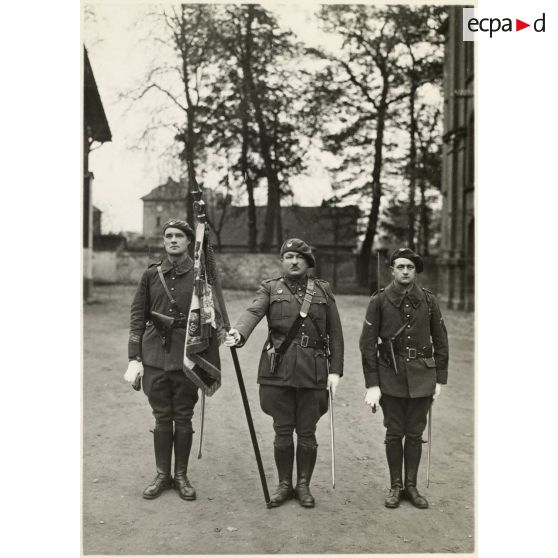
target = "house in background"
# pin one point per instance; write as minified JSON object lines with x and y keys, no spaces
{"x":95,"y":130}
{"x":327,"y":229}
{"x":161,"y":204}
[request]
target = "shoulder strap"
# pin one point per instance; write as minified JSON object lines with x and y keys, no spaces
{"x":169,"y":295}
{"x":428,"y":295}
{"x":310,"y":292}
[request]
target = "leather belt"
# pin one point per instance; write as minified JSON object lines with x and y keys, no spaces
{"x":177,"y":323}
{"x":305,"y":341}
{"x":411,"y":352}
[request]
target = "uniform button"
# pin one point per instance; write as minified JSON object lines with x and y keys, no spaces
{"x":173,"y":278}
{"x":172,"y":288}
{"x":408,"y":315}
{"x":408,"y":336}
{"x":170,"y":309}
{"x":406,"y":347}
{"x":407,"y":359}
{"x":408,"y":326}
{"x":406,"y":306}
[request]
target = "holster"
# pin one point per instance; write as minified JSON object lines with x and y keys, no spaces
{"x":164,"y":326}
{"x":274,"y":361}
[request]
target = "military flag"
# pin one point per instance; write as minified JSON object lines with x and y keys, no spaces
{"x":204,"y":331}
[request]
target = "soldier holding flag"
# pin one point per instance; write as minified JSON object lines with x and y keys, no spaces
{"x":301,"y":359}
{"x":159,"y":317}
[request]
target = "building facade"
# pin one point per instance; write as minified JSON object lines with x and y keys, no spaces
{"x":95,"y":130}
{"x":164,"y":202}
{"x":457,"y":255}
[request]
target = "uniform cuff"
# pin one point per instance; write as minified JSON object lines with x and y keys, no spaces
{"x":441,"y":376}
{"x":371,"y":379}
{"x":134,"y":350}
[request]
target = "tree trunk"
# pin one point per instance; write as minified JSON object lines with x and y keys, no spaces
{"x":412,"y":167}
{"x":424,"y":220}
{"x":273,"y":196}
{"x":248,"y":180}
{"x":279,"y":224}
{"x":336,"y":227}
{"x":364,"y":256}
{"x":189,"y":136}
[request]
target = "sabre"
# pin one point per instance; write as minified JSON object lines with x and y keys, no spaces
{"x":429,"y":444}
{"x":202,"y":422}
{"x":332,"y":430}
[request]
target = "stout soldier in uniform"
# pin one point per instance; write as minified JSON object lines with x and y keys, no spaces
{"x":155,"y":353}
{"x":404,"y":372}
{"x":300,"y":361}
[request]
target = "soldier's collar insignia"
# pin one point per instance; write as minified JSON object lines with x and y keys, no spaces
{"x":396,"y":295}
{"x":179,"y":269}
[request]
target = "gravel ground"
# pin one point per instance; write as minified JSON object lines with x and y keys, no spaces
{"x":229,"y":516}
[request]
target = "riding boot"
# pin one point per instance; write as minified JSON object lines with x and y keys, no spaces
{"x":182,"y":447}
{"x":305,"y":461}
{"x":162,"y":442}
{"x":413,"y":452}
{"x":394,"y":454}
{"x":284,"y":457}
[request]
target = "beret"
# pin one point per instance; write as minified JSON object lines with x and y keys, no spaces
{"x":180,"y":225}
{"x":299,"y":246}
{"x":408,"y":254}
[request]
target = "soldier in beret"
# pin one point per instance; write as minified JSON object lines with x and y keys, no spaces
{"x":404,"y":346}
{"x":155,"y":354}
{"x":293,"y":385}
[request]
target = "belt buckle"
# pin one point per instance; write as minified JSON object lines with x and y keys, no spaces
{"x":304,"y":340}
{"x":412,"y":352}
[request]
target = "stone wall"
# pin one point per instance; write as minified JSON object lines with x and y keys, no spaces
{"x":243,"y":271}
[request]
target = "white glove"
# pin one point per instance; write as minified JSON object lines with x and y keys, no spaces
{"x":232,"y":338}
{"x":332,"y":383}
{"x":372,"y":397}
{"x":135,"y":369}
{"x":437,"y":391}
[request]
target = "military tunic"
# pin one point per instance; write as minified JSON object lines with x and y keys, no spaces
{"x":296,"y":395}
{"x":304,"y":367}
{"x":144,"y":340}
{"x":418,"y":369}
{"x":171,"y":394}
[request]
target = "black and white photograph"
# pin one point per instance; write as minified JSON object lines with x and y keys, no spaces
{"x":278,"y":266}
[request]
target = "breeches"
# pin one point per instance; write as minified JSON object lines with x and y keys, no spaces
{"x":293,"y":409}
{"x":404,"y":417}
{"x":172,"y":397}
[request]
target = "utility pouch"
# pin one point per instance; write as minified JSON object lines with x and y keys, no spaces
{"x":274,"y":361}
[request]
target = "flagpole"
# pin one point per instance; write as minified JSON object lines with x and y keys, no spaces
{"x":199,"y":211}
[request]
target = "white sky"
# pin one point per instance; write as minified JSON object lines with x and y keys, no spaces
{"x":124,"y":174}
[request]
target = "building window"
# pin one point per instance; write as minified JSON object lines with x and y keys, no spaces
{"x":158,"y":221}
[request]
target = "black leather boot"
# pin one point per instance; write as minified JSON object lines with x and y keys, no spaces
{"x":305,"y":461}
{"x":413,"y":452}
{"x":284,"y":457}
{"x":394,"y":454}
{"x":162,"y":442}
{"x":182,"y":447}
